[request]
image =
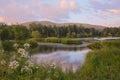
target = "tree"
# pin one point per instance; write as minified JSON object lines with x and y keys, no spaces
{"x":36,"y":34}
{"x":20,"y":32}
{"x":6,"y":33}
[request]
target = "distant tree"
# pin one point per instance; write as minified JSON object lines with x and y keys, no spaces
{"x":20,"y":32}
{"x":6,"y":33}
{"x":36,"y":34}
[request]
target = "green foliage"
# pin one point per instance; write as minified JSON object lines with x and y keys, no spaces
{"x":104,"y":44}
{"x":33,"y":43}
{"x":70,"y":41}
{"x":6,"y":33}
{"x":17,"y":67}
{"x":20,"y":32}
{"x":35,"y":34}
{"x":70,"y":31}
{"x":112,"y":43}
{"x":95,"y":45}
{"x":58,"y":40}
{"x":101,"y":65}
{"x":52,"y":40}
{"x":39,"y":39}
{"x":7,"y":45}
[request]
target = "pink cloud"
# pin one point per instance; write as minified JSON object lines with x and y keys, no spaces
{"x":1,"y":19}
{"x":114,"y":11}
{"x":35,"y":10}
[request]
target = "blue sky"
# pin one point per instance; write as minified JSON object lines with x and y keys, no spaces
{"x":98,"y":12}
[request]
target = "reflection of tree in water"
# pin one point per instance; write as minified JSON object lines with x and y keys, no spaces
{"x":49,"y":48}
{"x":59,"y":58}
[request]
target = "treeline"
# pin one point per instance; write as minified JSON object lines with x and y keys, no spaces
{"x":20,"y":32}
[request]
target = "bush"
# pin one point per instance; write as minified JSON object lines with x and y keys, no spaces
{"x":7,"y":45}
{"x":95,"y":45}
{"x":33,"y":43}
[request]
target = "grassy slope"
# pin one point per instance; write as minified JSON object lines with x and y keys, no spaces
{"x":102,"y":64}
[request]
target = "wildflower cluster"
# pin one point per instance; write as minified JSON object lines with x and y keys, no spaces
{"x":13,"y":64}
{"x":22,"y":52}
{"x":26,"y":45}
{"x":20,"y":59}
{"x":15,"y":45}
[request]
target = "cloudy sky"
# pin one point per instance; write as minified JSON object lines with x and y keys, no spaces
{"x":101,"y":12}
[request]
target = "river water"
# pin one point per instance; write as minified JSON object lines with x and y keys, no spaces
{"x":65,"y":56}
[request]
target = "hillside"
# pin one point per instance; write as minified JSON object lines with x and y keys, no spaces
{"x":97,"y":27}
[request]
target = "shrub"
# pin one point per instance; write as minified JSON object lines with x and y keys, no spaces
{"x":33,"y":43}
{"x":7,"y":45}
{"x":95,"y":45}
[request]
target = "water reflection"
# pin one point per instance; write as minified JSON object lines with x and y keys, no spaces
{"x":66,"y":59}
{"x":51,"y":47}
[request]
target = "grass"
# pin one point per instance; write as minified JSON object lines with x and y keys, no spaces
{"x":104,"y":44}
{"x":101,"y":64}
{"x":58,"y":40}
{"x":35,"y":72}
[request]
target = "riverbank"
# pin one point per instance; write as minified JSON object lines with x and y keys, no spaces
{"x":103,"y":63}
{"x":58,"y":40}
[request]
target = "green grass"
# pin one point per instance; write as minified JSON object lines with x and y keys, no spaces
{"x":104,"y":44}
{"x":58,"y":40}
{"x":101,"y":64}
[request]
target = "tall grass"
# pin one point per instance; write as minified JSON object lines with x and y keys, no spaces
{"x":101,"y":64}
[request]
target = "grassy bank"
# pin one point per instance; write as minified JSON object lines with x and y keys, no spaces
{"x":103,"y":63}
{"x":105,"y":44}
{"x":58,"y":40}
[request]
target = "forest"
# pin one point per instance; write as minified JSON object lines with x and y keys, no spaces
{"x":20,"y":32}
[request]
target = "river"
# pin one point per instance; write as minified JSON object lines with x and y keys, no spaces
{"x":65,"y":56}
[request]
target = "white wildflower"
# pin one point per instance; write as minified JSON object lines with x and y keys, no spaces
{"x":15,"y":45}
{"x":26,"y":45}
{"x":3,"y":62}
{"x":25,"y":69}
{"x":30,"y":64}
{"x":14,"y":64}
{"x":22,"y":52}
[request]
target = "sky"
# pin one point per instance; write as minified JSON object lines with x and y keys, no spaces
{"x":98,"y":12}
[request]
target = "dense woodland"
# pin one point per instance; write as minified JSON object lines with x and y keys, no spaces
{"x":20,"y":32}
